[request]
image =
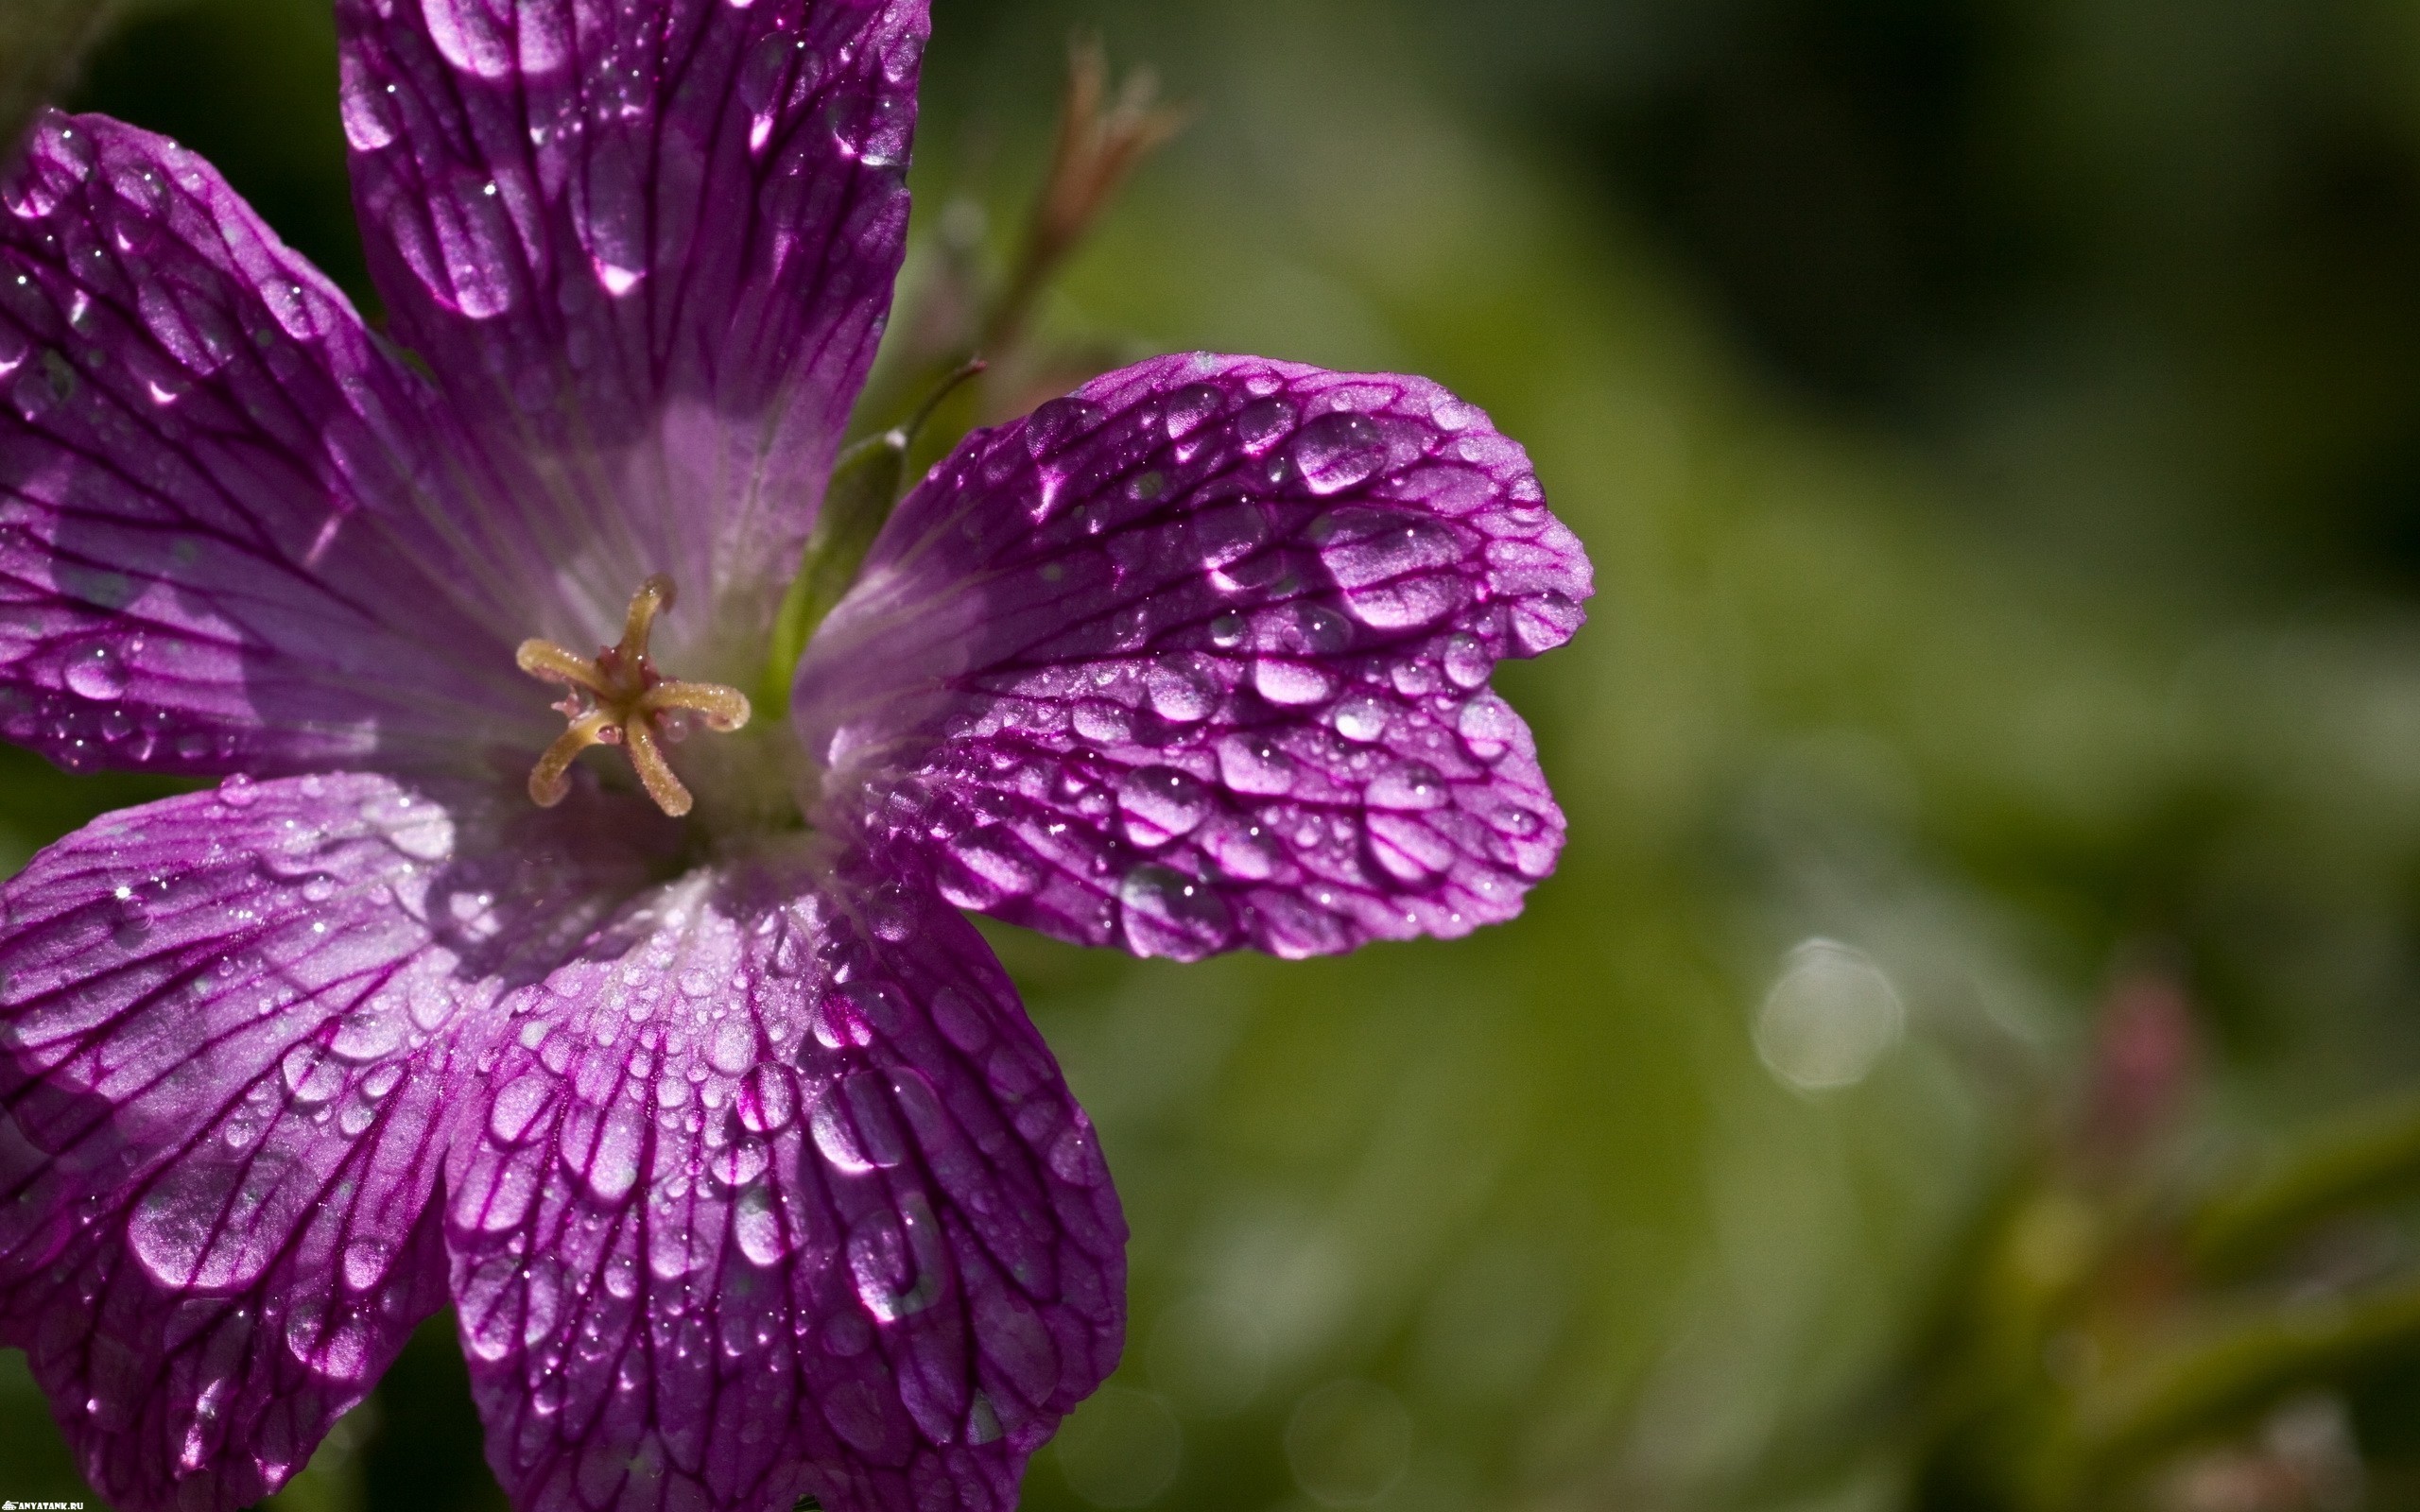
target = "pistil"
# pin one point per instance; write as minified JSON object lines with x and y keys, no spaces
{"x":617,"y":698}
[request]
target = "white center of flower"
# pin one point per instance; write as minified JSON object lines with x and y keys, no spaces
{"x":618,"y":698}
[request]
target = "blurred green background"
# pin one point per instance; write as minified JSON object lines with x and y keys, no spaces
{"x":1961,"y":1062}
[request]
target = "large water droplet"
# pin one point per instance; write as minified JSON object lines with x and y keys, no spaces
{"x":1489,"y":728}
{"x":1361,"y":718}
{"x":368,"y":1034}
{"x":513,"y":1117}
{"x":1163,"y":912}
{"x":1467,"y":661}
{"x":1413,"y":785}
{"x":364,"y":1263}
{"x":99,"y":672}
{"x":312,"y":1074}
{"x":543,"y":1290}
{"x":1290,"y":684}
{"x":1339,"y":450}
{"x":1191,"y":408}
{"x":991,"y":867}
{"x":1255,"y":764}
{"x":756,"y":1225}
{"x":768,"y":1099}
{"x":1259,"y":424}
{"x":1178,"y":692}
{"x":739,"y":1163}
{"x":614,"y":1168}
{"x":1160,"y":803}
{"x":897,"y":1261}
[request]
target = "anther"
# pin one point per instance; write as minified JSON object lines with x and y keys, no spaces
{"x":616,"y":698}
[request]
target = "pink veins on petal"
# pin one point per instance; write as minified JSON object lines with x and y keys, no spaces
{"x":721,"y":1129}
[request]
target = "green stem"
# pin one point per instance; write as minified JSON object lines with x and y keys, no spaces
{"x":2370,"y":1155}
{"x":865,"y":488}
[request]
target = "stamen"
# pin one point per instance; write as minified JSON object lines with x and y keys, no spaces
{"x":618,"y":699}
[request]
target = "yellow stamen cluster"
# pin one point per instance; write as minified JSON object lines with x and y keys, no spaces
{"x":618,"y":699}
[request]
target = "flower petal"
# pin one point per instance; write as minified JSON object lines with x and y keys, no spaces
{"x":648,"y":246}
{"x":1198,"y":657}
{"x":226,"y":1038}
{"x":778,"y":1192}
{"x":214,"y":517}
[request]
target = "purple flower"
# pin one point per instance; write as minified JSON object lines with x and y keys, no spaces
{"x":725,"y":1134}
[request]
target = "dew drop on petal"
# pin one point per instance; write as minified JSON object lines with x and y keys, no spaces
{"x":768,"y":1099}
{"x":1361,"y":718}
{"x":1337,"y":451}
{"x":1413,"y":785}
{"x":1467,"y":661}
{"x":1253,"y":764}
{"x":756,"y":1225}
{"x":1163,"y":912}
{"x":98,"y":673}
{"x":1291,"y":684}
{"x":615,"y":1167}
{"x":513,"y":1117}
{"x":1191,"y":408}
{"x":1259,"y":424}
{"x":312,"y":1074}
{"x":1160,"y":803}
{"x":1489,"y":728}
{"x":991,"y":867}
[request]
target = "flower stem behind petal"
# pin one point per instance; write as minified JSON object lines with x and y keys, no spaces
{"x":1102,"y":141}
{"x":865,"y":488}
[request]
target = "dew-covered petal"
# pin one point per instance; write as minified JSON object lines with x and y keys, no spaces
{"x":216,"y":492}
{"x":1199,"y":656}
{"x":777,"y":1191}
{"x":225,"y":1044}
{"x":649,"y":248}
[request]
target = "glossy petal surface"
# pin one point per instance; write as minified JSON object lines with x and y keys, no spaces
{"x":238,"y":1034}
{"x":649,"y":248}
{"x":776,"y":1190}
{"x":224,"y":1047}
{"x":1199,"y":656}
{"x":215,"y":490}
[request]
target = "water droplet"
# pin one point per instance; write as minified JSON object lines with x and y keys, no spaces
{"x":1160,"y":803}
{"x":1255,"y":764}
{"x":768,"y":1099}
{"x":1412,"y":786}
{"x":1055,"y":425}
{"x":1178,"y":693}
{"x":1191,"y":408}
{"x":1361,"y":718}
{"x":99,"y":672}
{"x":1289,"y":682}
{"x":1163,"y":912}
{"x":368,"y":1034}
{"x":1227,"y":630}
{"x":991,"y":866}
{"x":740,"y":1163}
{"x":1259,"y":424}
{"x":1336,"y":452}
{"x":897,"y":1261}
{"x":1243,"y":850}
{"x":756,"y":1225}
{"x":1467,"y":663}
{"x":237,"y":791}
{"x":366,"y":1262}
{"x":513,"y":1119}
{"x":312,"y":1076}
{"x":615,"y":1167}
{"x":544,"y":1291}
